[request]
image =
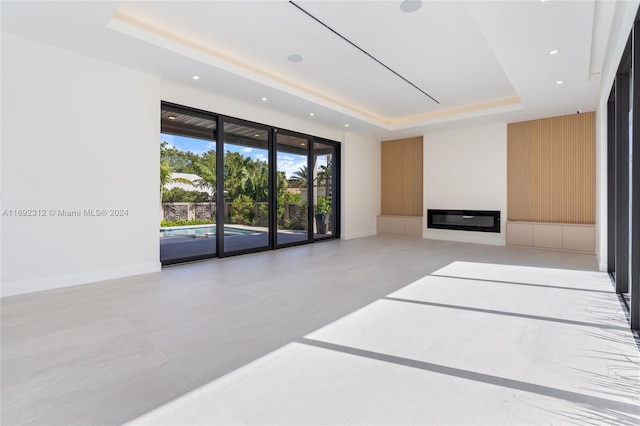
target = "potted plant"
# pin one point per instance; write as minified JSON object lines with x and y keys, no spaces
{"x":323,"y":211}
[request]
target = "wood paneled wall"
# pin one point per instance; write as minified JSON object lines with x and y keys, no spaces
{"x":402,"y":177}
{"x":551,"y":170}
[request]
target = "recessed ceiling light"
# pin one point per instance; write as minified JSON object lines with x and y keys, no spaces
{"x":264,"y":99}
{"x":409,"y":6}
{"x":302,"y":144}
{"x":257,"y":135}
{"x":195,"y":77}
{"x":346,"y":125}
{"x":295,"y":58}
{"x":311,"y":114}
{"x":554,"y":52}
{"x":171,"y":117}
{"x":559,"y":82}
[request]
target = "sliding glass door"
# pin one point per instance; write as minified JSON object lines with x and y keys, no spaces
{"x":245,"y":188}
{"x":229,"y":186}
{"x":292,"y":186}
{"x":324,"y":196}
{"x":187,"y":185}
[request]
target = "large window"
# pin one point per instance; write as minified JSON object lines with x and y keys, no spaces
{"x":245,"y":188}
{"x":292,"y":185}
{"x":623,"y":174}
{"x":187,"y":185}
{"x":323,"y":178}
{"x":230,"y":186}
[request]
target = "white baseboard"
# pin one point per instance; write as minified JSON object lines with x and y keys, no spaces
{"x":68,"y":280}
{"x":360,"y":234}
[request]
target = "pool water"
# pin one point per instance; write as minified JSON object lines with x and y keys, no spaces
{"x":201,"y":231}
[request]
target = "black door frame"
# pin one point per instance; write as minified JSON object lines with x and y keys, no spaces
{"x":218,"y":137}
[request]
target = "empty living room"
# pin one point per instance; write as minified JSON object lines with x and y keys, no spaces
{"x":366,"y":212}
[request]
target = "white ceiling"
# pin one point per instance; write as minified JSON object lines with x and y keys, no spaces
{"x":480,"y":60}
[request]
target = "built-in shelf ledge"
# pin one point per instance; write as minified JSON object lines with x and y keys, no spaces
{"x":410,"y":226}
{"x":552,"y":236}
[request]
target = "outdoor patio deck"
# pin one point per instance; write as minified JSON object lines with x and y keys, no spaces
{"x":185,"y":247}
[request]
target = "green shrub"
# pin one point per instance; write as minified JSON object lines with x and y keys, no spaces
{"x":182,"y":222}
{"x":263,"y":215}
{"x":323,"y":206}
{"x":242,"y":210}
{"x":299,"y":224}
{"x":179,"y":195}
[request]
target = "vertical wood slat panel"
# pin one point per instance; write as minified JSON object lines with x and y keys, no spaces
{"x":402,"y":177}
{"x":551,"y":170}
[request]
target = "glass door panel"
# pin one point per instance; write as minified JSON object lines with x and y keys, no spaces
{"x":322,"y":176}
{"x":246,"y":188}
{"x":187,"y":185}
{"x":292,"y":189}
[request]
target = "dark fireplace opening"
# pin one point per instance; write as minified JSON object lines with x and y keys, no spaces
{"x":464,"y":220}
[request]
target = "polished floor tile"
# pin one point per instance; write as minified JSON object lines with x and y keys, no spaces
{"x":423,"y":397}
{"x":378,"y":330}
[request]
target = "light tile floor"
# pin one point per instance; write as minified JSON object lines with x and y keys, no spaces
{"x":379,"y":330}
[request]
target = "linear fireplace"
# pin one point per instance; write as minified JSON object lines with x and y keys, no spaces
{"x":464,"y":220}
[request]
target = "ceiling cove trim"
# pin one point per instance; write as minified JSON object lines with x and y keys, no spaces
{"x":139,"y":29}
{"x":362,"y":50}
{"x":460,"y":113}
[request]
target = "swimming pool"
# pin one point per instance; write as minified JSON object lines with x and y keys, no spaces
{"x":201,"y":231}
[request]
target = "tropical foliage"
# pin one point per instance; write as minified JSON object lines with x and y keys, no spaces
{"x":323,"y":206}
{"x":246,"y":185}
{"x":181,"y":222}
{"x":179,"y":195}
{"x":299,"y":178}
{"x":167,"y":178}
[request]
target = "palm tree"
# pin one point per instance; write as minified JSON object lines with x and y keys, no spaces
{"x":299,"y":178}
{"x":207,"y":181}
{"x":237,"y":172}
{"x":165,"y":178}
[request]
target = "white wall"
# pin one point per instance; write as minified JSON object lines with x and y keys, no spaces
{"x":360,"y":188}
{"x":466,"y":169}
{"x":361,"y":174}
{"x":77,"y":133}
